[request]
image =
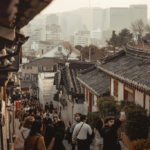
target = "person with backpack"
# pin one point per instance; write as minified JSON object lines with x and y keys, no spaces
{"x":82,"y":131}
{"x":77,"y":119}
{"x":109,"y":133}
{"x":23,"y":133}
{"x":98,"y":140}
{"x":35,"y":141}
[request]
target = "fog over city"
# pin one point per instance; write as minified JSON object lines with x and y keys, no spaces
{"x":84,"y":23}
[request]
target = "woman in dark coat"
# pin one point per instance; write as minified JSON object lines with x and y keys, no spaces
{"x":56,"y":143}
{"x":49,"y":135}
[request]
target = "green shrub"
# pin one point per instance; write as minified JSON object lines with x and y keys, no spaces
{"x":136,"y":126}
{"x":107,"y":106}
{"x":92,"y":118}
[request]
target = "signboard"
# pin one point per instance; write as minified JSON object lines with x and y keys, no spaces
{"x":18,"y":106}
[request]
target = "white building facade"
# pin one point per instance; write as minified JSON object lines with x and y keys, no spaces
{"x":46,"y":88}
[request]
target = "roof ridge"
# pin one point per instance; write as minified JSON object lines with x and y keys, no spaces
{"x":109,"y":58}
{"x":88,"y":69}
{"x":139,"y":53}
{"x":121,"y":78}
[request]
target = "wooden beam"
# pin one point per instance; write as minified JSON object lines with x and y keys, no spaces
{"x":129,"y":90}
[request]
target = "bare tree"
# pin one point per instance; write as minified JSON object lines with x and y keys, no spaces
{"x":64,"y":54}
{"x":138,"y":28}
{"x":147,"y":28}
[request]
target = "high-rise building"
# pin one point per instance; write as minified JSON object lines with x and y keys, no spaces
{"x":119,"y":18}
{"x":53,"y":32}
{"x":52,"y":19}
{"x":138,"y":12}
{"x":82,"y":38}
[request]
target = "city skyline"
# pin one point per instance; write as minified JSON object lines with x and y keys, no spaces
{"x":68,"y":5}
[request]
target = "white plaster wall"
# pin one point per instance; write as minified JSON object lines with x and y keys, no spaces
{"x":94,"y":109}
{"x":112,"y":87}
{"x":139,"y":97}
{"x":85,"y":108}
{"x":120,"y":91}
{"x":78,"y":108}
{"x":55,"y":50}
{"x":147,"y":104}
{"x":47,"y":89}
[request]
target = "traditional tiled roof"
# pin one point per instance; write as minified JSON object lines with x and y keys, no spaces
{"x":96,"y":81}
{"x":42,"y":62}
{"x":67,"y":77}
{"x":130,"y":66}
{"x":70,"y":81}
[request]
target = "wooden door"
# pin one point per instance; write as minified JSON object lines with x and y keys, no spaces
{"x":90,"y":102}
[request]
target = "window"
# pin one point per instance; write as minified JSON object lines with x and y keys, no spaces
{"x":60,"y":49}
{"x":116,"y":88}
{"x":129,"y":94}
{"x":29,"y":67}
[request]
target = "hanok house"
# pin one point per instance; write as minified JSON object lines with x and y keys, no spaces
{"x":129,"y":73}
{"x":96,"y":84}
{"x":70,"y":92}
{"x":13,"y":16}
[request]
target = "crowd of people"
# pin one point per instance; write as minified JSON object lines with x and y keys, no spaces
{"x":103,"y":137}
{"x":45,"y":131}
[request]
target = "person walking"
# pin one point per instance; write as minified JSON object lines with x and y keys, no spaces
{"x":21,"y":113}
{"x":56,"y":143}
{"x":46,"y":106}
{"x":35,"y":140}
{"x":37,"y":116}
{"x":47,"y":120}
{"x":51,"y":107}
{"x":109,"y":133}
{"x":81,"y":131}
{"x":31,"y":110}
{"x":26,"y":114}
{"x":23,"y":133}
{"x":27,"y":108}
{"x":98,"y":140}
{"x":46,"y":112}
{"x":72,"y":129}
{"x":49,"y":135}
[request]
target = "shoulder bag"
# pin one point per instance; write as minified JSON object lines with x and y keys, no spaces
{"x":80,"y":129}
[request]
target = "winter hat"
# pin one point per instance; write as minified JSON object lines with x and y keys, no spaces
{"x":108,"y":119}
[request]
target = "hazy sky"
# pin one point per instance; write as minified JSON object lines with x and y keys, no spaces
{"x":65,"y":5}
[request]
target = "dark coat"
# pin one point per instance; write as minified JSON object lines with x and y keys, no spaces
{"x":32,"y":110}
{"x":47,"y":121}
{"x":110,"y":136}
{"x":59,"y":136}
{"x":37,"y":117}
